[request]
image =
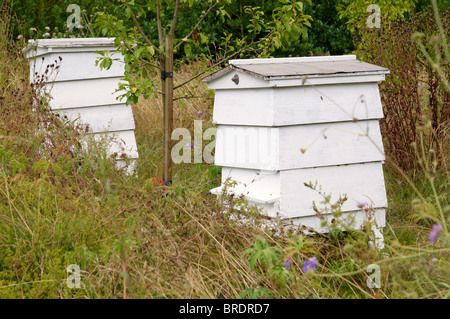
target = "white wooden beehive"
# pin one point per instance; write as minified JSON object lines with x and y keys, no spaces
{"x":81,"y":90}
{"x":285,"y":122}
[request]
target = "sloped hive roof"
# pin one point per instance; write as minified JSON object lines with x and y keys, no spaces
{"x":269,"y":69}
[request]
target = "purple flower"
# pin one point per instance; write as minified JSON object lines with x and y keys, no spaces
{"x":199,"y":113}
{"x":70,"y":29}
{"x":434,"y":232}
{"x":310,"y":264}
{"x":79,"y":26}
{"x":420,"y":85}
{"x":190,"y":145}
{"x":287,"y":263}
{"x":361,"y":204}
{"x":434,"y":259}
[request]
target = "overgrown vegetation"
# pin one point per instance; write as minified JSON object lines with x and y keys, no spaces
{"x":133,"y":238}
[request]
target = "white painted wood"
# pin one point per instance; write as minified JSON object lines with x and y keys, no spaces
{"x":245,"y":81}
{"x":75,"y":66}
{"x":244,"y":107}
{"x":102,"y":118}
{"x":300,"y":120}
{"x":280,"y":148}
{"x":330,"y":144}
{"x":298,"y":105}
{"x":354,"y":220}
{"x":293,"y":60}
{"x":361,"y":183}
{"x":85,"y":93}
{"x":80,"y":89}
{"x":247,"y":147}
{"x":252,"y":181}
{"x":322,"y":80}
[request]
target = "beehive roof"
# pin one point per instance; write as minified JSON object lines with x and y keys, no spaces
{"x":269,"y":69}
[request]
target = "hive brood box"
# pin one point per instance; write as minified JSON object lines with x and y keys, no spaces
{"x":285,"y":122}
{"x":81,"y":90}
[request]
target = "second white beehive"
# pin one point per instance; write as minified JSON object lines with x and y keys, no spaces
{"x":285,"y":122}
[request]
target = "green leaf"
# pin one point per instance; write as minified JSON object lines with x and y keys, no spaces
{"x":187,"y":48}
{"x":151,"y":50}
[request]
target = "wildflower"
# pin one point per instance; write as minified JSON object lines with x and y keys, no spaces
{"x":47,"y":28}
{"x":434,"y":232}
{"x":70,"y":29}
{"x":310,"y":264}
{"x":199,"y":113}
{"x":434,"y":259}
{"x":33,"y":29}
{"x":287,"y":263}
{"x":361,"y":204}
{"x":190,"y":145}
{"x":383,"y":162}
{"x":19,"y":37}
{"x":46,"y":35}
{"x":420,"y":85}
{"x":79,"y":26}
{"x":399,"y":182}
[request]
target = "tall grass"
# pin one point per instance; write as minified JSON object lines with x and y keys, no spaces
{"x":133,"y":238}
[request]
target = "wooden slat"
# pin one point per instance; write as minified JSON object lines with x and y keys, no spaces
{"x":297,"y":105}
{"x":361,"y":183}
{"x":244,"y":107}
{"x":354,"y":218}
{"x":103,"y":118}
{"x":280,"y":148}
{"x":320,"y":67}
{"x":85,"y":93}
{"x":330,"y":144}
{"x":75,"y":66}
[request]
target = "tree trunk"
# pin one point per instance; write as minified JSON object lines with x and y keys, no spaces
{"x":167,"y":75}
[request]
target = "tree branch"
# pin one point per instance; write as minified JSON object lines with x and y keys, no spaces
{"x":140,"y":29}
{"x":195,"y":27}
{"x":221,"y":61}
{"x":192,"y":97}
{"x":175,"y":17}
{"x":158,"y":21}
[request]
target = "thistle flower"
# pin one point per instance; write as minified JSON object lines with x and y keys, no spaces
{"x":310,"y":264}
{"x":361,"y":204}
{"x":434,"y":232}
{"x":287,"y":263}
